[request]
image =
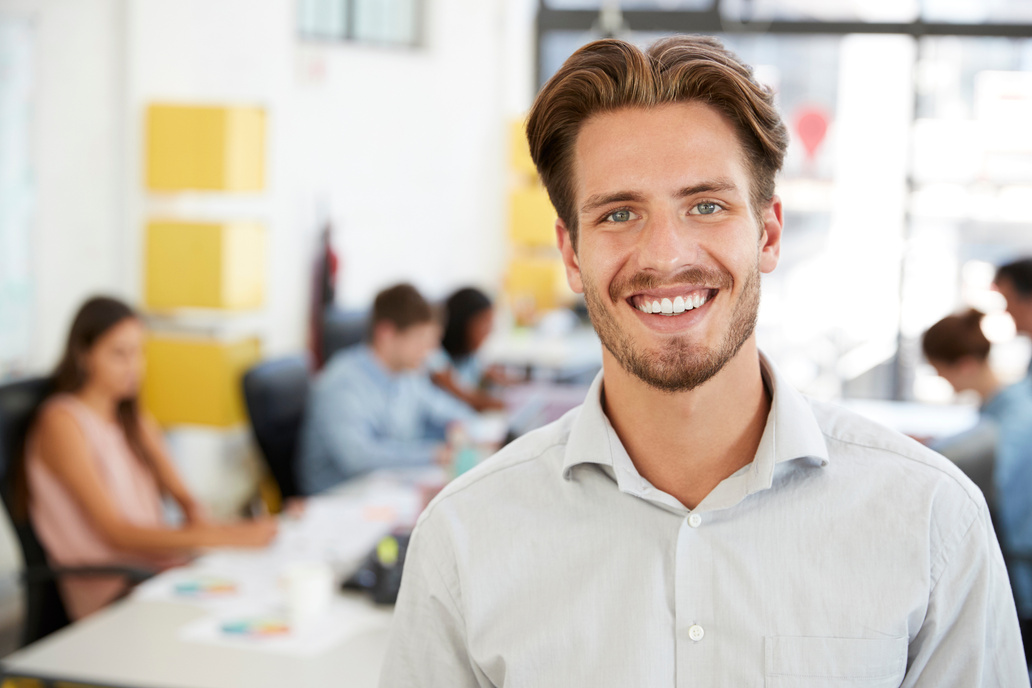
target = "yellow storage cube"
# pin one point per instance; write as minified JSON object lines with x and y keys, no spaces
{"x":519,"y":149}
{"x":537,"y":282}
{"x":205,"y":148}
{"x":197,"y":381}
{"x":204,"y":265}
{"x":531,"y":217}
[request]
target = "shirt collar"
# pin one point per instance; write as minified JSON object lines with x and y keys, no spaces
{"x":791,"y":433}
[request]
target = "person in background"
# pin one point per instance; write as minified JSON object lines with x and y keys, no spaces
{"x":1014,"y":281}
{"x":455,"y":368}
{"x":96,"y":466}
{"x":373,"y":406}
{"x":959,"y":351}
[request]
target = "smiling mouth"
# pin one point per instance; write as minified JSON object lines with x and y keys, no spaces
{"x":679,"y":304}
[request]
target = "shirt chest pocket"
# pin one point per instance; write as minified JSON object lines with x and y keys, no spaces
{"x":808,"y":662}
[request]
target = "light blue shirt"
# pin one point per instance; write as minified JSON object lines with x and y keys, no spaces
{"x":467,"y":372}
{"x":1011,"y":411}
{"x":361,"y":416}
{"x":844,"y":555}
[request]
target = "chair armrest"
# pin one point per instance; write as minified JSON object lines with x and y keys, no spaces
{"x":38,"y":574}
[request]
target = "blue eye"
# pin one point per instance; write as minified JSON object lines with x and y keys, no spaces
{"x":707,"y":208}
{"x":619,"y":216}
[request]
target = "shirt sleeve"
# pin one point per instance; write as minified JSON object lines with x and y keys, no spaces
{"x":428,"y":644}
{"x":441,"y":408}
{"x":969,"y":636}
{"x":348,"y":427}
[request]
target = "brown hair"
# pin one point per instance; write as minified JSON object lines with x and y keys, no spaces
{"x":402,"y":306}
{"x":956,"y":337}
{"x":610,"y":74}
{"x":1019,"y":274}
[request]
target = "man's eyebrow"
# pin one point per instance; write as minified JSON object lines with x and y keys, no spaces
{"x":711,"y":186}
{"x":599,"y":200}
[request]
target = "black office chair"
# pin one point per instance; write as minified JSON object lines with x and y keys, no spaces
{"x":275,"y":393}
{"x":44,"y":610}
{"x":342,"y":329}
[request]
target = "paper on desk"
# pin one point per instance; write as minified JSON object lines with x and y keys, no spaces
{"x":210,"y":587}
{"x":338,"y":531}
{"x":345,"y":618}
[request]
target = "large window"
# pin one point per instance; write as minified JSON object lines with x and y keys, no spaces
{"x":908,"y":177}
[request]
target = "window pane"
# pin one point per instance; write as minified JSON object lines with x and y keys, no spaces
{"x":692,"y":5}
{"x":977,"y":11}
{"x":821,"y":10}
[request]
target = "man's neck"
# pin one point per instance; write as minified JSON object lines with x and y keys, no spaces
{"x":381,"y":356}
{"x":686,"y":443}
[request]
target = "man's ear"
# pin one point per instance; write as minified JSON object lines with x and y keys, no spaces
{"x":770,"y":235}
{"x":573,"y":274}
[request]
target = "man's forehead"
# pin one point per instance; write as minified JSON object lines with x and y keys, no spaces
{"x":634,"y":147}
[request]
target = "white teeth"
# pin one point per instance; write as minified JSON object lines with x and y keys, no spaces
{"x":678,"y":305}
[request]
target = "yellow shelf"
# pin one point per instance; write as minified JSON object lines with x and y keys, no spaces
{"x":204,"y":265}
{"x":531,"y":217}
{"x":519,"y":149}
{"x":205,"y":148}
{"x":537,"y":282}
{"x":197,"y":381}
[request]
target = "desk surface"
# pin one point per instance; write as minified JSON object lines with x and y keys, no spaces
{"x":142,"y":641}
{"x":136,"y":643}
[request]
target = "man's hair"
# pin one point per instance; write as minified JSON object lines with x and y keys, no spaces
{"x":402,"y":306}
{"x":611,"y":74}
{"x":956,"y":337}
{"x":1019,"y":274}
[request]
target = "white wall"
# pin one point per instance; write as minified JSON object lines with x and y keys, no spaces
{"x":406,"y":149}
{"x":78,"y":247}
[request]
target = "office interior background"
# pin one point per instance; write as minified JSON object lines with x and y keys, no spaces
{"x":396,"y":123}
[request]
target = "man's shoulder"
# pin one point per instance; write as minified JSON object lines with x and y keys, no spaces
{"x":866,"y":448}
{"x":520,"y":470}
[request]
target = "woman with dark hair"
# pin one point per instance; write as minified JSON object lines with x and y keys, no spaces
{"x":96,"y":466}
{"x":959,"y":351}
{"x":456,"y":368}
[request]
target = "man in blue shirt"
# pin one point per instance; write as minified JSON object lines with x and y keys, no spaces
{"x":373,"y":406}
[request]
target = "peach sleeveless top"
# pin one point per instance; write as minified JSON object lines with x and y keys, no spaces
{"x":63,"y":527}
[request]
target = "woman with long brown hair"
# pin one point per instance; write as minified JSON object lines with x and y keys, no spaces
{"x":96,"y":466}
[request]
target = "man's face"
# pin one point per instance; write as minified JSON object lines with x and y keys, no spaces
{"x":408,"y":349}
{"x":669,"y":249}
{"x":1019,"y":307}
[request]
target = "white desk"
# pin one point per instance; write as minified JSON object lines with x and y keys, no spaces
{"x":139,"y":641}
{"x":136,"y":643}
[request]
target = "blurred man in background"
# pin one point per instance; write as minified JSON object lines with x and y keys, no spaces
{"x":373,"y":406}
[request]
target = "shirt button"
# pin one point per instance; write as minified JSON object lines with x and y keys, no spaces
{"x":696,"y":632}
{"x":695,"y":521}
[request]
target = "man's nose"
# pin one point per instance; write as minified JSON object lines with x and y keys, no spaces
{"x":666,"y":243}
